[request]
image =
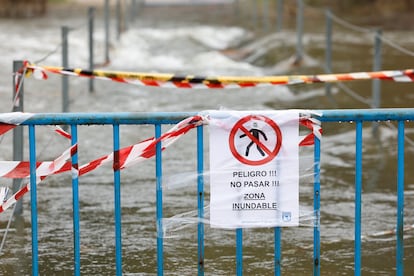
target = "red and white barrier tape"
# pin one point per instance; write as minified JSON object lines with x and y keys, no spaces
{"x":315,"y":126}
{"x":219,"y":82}
{"x":43,"y":169}
{"x":8,"y":121}
{"x":128,"y":156}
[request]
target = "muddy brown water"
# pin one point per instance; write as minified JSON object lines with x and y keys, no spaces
{"x":138,"y":183}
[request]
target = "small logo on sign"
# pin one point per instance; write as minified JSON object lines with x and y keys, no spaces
{"x":286,"y":216}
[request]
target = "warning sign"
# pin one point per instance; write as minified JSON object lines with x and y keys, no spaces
{"x":254,"y":168}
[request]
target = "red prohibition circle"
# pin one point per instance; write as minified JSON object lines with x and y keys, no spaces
{"x":270,"y":153}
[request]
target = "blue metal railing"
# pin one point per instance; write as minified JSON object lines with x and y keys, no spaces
{"x":159,"y":119}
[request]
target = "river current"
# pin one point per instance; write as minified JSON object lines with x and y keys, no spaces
{"x":154,"y":45}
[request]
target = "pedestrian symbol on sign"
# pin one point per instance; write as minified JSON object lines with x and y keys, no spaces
{"x":256,"y":134}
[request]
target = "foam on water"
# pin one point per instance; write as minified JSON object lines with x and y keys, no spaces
{"x":181,"y":50}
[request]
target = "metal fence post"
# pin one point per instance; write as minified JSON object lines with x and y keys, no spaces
{"x":279,"y":15}
{"x":255,"y":14}
{"x":376,"y":84}
{"x":133,"y":11}
{"x":237,"y":12}
{"x":159,"y":202}
{"x":65,"y":64}
{"x":125,"y":19}
{"x":266,"y":19}
{"x":75,"y":204}
{"x":106,"y":31}
{"x":376,"y":96}
{"x":200,"y":201}
{"x":316,"y":208}
{"x":400,"y":199}
{"x":358,"y":199}
{"x":277,"y":236}
{"x":91,"y":15}
{"x":328,"y":49}
{"x":117,"y":200}
{"x":18,"y":96}
{"x":33,"y":200}
{"x":299,"y":31}
{"x":118,"y":20}
{"x":239,"y":251}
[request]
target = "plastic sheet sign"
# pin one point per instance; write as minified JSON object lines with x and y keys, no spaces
{"x":254,"y":165}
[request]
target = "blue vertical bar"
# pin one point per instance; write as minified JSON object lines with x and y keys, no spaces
{"x":33,"y":199}
{"x":400,"y":200}
{"x":239,"y":251}
{"x":316,"y":208}
{"x":278,"y":250}
{"x":75,"y":202}
{"x":358,"y":198}
{"x":117,"y":194}
{"x":158,"y":175}
{"x":200,"y":192}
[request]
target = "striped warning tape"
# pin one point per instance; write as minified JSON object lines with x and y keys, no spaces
{"x":12,"y":120}
{"x":190,"y":81}
{"x":128,"y":156}
{"x":43,"y":170}
{"x":21,"y":169}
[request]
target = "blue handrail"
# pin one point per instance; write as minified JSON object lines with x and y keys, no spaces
{"x":125,"y":118}
{"x":158,"y":119}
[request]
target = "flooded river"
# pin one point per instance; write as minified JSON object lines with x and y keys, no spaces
{"x":155,"y":45}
